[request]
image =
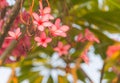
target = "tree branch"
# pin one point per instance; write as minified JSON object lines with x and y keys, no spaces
{"x":12,"y":45}
{"x":8,"y":51}
{"x":10,"y":20}
{"x":2,"y":15}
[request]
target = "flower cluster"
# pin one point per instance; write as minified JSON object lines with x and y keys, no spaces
{"x":44,"y":29}
{"x":14,"y":34}
{"x":43,"y":23}
{"x":88,"y":36}
{"x":62,"y":49}
{"x":21,"y":48}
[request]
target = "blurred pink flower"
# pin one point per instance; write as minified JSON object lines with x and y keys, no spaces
{"x":1,"y":50}
{"x":85,"y":57}
{"x":57,"y":30}
{"x":6,"y":43}
{"x":3,"y":4}
{"x":21,"y":49}
{"x":62,"y":49}
{"x":45,"y":12}
{"x":25,"y":15}
{"x":14,"y":34}
{"x":112,"y":49}
{"x":90,"y":36}
{"x":23,"y":46}
{"x":43,"y":40}
{"x":80,"y":38}
{"x":41,"y":21}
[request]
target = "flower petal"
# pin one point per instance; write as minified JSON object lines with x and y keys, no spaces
{"x":44,"y":45}
{"x":35,"y":22}
{"x":64,"y":28}
{"x":85,"y":57}
{"x":66,"y":47}
{"x":43,"y":35}
{"x":17,"y":32}
{"x":57,"y":23}
{"x":90,"y":36}
{"x":60,"y":44}
{"x":41,"y":28}
{"x":9,"y":38}
{"x":37,"y":39}
{"x":12,"y":34}
{"x":47,"y":10}
{"x":51,"y":17}
{"x":80,"y":37}
{"x":38,"y":44}
{"x":36,"y":16}
{"x":65,"y":52}
{"x":48,"y":40}
{"x":53,"y":28}
{"x":56,"y":49}
{"x":45,"y":17}
{"x":60,"y":33}
{"x":47,"y":24}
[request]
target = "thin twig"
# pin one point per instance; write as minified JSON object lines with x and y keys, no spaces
{"x":21,"y":18}
{"x":102,"y":72}
{"x":86,"y":75}
{"x":48,"y":3}
{"x":7,"y":25}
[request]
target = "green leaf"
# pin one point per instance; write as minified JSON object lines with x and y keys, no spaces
{"x":80,"y":75}
{"x":50,"y":80}
{"x":62,"y":79}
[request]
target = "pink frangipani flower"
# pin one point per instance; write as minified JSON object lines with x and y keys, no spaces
{"x":14,"y":34}
{"x":80,"y":38}
{"x":62,"y":49}
{"x":90,"y":36}
{"x":43,"y":40}
{"x":57,"y":30}
{"x":45,"y":12}
{"x":41,"y":21}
